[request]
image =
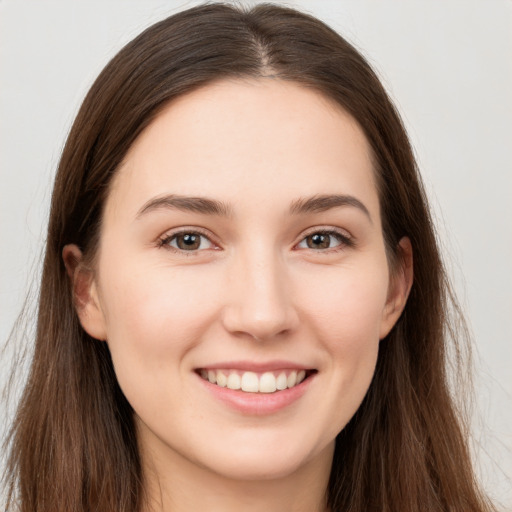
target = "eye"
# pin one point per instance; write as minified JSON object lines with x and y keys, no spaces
{"x":322,"y":240}
{"x":187,"y":241}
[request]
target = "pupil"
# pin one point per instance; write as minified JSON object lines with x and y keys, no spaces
{"x":188,"y":241}
{"x":318,"y":241}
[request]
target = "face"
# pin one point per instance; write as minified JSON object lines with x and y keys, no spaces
{"x":241,"y":246}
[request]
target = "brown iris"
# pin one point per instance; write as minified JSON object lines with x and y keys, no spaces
{"x":318,"y":241}
{"x":188,"y":241}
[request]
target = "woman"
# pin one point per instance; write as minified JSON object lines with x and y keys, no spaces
{"x":243,"y":304}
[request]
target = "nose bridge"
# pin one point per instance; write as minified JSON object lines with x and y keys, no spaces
{"x":259,"y":303}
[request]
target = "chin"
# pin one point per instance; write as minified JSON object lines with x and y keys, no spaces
{"x":258,"y":468}
{"x":260,"y":461}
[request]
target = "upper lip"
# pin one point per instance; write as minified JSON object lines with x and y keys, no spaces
{"x":255,"y":366}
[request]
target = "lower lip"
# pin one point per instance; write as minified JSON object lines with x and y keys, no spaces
{"x":258,"y":404}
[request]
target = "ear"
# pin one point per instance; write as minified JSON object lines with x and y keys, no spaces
{"x":399,"y":287}
{"x":85,"y":293}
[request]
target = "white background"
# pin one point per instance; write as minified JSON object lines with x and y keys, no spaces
{"x":448,"y":66}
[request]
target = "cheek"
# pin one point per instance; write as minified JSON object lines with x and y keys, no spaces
{"x":345,"y":315}
{"x":154,"y":317}
{"x":346,"y":305}
{"x":157,"y":300}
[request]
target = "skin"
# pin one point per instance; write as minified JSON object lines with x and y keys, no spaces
{"x":253,"y":290}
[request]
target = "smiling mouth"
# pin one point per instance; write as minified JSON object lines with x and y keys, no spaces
{"x":255,"y":382}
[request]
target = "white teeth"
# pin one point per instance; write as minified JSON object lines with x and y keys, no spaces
{"x":281,"y":381}
{"x":251,"y":382}
{"x":234,"y":381}
{"x":222,"y":380}
{"x":267,"y":383}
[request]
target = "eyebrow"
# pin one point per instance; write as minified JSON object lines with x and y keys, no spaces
{"x":207,"y":206}
{"x":201,"y":205}
{"x":322,"y":203}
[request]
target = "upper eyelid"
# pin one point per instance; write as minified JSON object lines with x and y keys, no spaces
{"x":188,"y":229}
{"x":326,"y":229}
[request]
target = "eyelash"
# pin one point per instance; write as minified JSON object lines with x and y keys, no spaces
{"x":166,"y":240}
{"x":344,"y":240}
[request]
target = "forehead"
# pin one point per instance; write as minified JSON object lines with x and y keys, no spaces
{"x":267,"y":140}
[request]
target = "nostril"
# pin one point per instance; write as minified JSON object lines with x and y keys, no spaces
{"x":260,"y":330}
{"x":260,"y":313}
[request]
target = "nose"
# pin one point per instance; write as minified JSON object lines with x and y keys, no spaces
{"x":260,"y":303}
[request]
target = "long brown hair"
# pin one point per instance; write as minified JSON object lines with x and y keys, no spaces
{"x":73,"y":445}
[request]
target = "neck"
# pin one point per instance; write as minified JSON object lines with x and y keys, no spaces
{"x":178,"y":485}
